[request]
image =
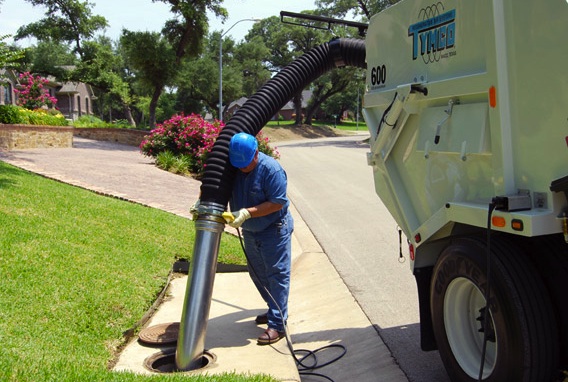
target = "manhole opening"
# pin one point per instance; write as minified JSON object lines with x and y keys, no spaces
{"x":165,"y":361}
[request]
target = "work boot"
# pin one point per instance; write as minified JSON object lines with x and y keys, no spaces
{"x":261,"y":319}
{"x":270,"y":336}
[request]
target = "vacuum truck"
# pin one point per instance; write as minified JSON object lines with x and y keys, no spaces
{"x":467,"y":109}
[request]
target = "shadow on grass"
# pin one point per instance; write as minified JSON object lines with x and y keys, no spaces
{"x":7,"y":175}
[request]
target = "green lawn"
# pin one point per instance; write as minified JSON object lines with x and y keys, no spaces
{"x":78,"y":270}
{"x":343,"y":125}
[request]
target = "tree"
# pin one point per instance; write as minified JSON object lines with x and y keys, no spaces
{"x":153,"y":61}
{"x":333,"y":83}
{"x":71,"y":23}
{"x":198,"y":82}
{"x":243,"y":74}
{"x":185,"y":33}
{"x":50,"y":58}
{"x":346,"y":100}
{"x":187,"y":30}
{"x":363,"y":8}
{"x":9,"y":55}
{"x":286,"y":43}
{"x":250,"y":55}
{"x":68,"y":21}
{"x":102,"y":66}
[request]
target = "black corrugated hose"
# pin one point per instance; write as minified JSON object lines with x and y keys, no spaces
{"x":219,"y":174}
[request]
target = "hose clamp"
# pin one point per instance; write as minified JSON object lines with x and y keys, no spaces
{"x":211,"y":212}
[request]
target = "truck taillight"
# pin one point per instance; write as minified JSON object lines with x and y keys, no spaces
{"x":411,"y":251}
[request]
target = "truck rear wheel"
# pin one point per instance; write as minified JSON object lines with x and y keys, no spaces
{"x":521,"y":329}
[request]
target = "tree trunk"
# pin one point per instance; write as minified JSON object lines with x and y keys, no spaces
{"x":312,"y":110}
{"x":297,"y":100}
{"x":128,"y":114}
{"x":153,"y":106}
{"x":320,"y":97}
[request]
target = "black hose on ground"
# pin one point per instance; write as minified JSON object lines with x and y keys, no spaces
{"x":219,"y":174}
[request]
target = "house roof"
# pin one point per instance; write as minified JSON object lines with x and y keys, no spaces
{"x":306,"y":96}
{"x":68,"y":88}
{"x":8,"y":74}
{"x":240,"y":102}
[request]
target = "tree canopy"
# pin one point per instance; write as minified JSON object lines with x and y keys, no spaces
{"x":145,"y":74}
{"x":68,"y":21}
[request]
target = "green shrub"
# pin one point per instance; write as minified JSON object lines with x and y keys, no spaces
{"x":165,"y":160}
{"x":123,"y":123}
{"x":9,"y":114}
{"x":89,"y":121}
{"x":183,"y":135}
{"x":178,"y":164}
{"x":42,"y":117}
{"x":182,"y":165}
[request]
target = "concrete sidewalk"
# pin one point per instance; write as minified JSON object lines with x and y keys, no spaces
{"x":322,"y":310}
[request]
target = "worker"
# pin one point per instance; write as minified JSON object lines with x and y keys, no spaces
{"x":260,"y":207}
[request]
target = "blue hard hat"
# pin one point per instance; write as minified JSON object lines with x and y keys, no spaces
{"x":242,"y":149}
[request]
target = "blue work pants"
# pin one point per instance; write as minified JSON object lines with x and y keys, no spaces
{"x":269,"y":254}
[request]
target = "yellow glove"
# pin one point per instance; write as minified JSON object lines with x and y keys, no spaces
{"x":240,"y":217}
{"x":228,"y":216}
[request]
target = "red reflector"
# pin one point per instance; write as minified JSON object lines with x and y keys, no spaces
{"x":517,"y":224}
{"x":417,"y":238}
{"x":411,"y":251}
{"x":492,"y":96}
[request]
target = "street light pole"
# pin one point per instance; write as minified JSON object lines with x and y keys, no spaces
{"x":221,"y":65}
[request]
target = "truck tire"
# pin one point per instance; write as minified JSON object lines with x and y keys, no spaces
{"x":522,"y":331}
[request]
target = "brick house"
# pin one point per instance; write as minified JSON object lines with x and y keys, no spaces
{"x":74,"y":99}
{"x":287,"y":112}
{"x":8,"y":81}
{"x":234,"y":106}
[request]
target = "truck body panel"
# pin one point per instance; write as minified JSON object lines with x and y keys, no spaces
{"x":465,"y":101}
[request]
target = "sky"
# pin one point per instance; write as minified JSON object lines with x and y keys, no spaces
{"x":145,"y":15}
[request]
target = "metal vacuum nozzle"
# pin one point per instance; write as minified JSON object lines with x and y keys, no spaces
{"x":193,"y":326}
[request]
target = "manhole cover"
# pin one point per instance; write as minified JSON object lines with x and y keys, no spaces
{"x":160,"y":334}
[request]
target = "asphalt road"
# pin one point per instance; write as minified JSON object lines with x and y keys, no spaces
{"x":332,"y":187}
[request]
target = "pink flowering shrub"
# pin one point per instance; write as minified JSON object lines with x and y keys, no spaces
{"x":192,"y":138}
{"x":181,"y":135}
{"x":32,"y":94}
{"x":264,"y":146}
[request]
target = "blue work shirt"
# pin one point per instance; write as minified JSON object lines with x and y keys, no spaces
{"x":267,"y":182}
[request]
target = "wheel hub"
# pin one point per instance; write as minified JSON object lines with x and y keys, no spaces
{"x":464,"y":321}
{"x":490,"y":336}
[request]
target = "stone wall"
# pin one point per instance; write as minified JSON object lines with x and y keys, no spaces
{"x":16,"y":137}
{"x":124,"y":136}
